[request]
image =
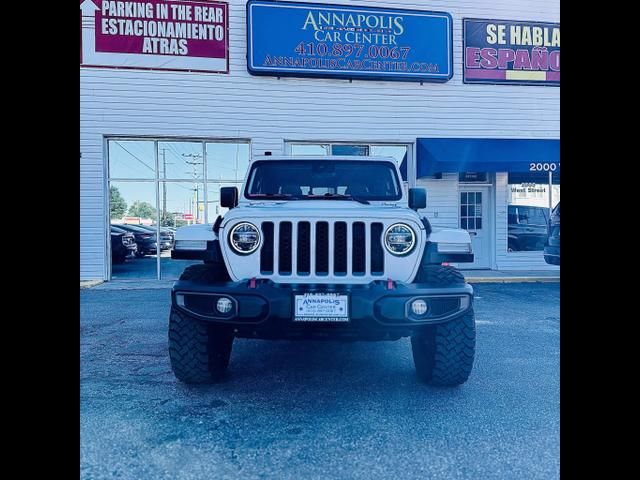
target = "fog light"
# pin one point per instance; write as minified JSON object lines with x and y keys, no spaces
{"x":224,"y":305}
{"x":419,"y":307}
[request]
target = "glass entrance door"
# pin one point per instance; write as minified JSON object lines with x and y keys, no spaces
{"x":474,"y":208}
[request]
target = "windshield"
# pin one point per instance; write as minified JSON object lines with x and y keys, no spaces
{"x":324,"y":180}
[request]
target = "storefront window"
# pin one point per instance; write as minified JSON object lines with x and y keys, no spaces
{"x":132,"y":212}
{"x":530,"y":198}
{"x":398,"y":152}
{"x":181,"y":161}
{"x":181,"y":203}
{"x":177,"y":181}
{"x":227,"y":161}
{"x":360,"y":150}
{"x":309,"y":149}
{"x":132,"y":159}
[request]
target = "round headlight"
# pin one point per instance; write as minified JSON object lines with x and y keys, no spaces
{"x":244,"y":238}
{"x":399,"y":239}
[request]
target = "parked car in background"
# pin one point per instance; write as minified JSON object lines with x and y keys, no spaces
{"x":552,"y":247}
{"x":145,"y":240}
{"x":527,"y":228}
{"x":166,"y":236}
{"x":123,"y":244}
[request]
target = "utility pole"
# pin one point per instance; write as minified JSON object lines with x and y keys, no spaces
{"x":196,"y":176}
{"x":197,"y":217}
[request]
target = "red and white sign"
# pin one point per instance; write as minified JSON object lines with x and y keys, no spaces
{"x":155,"y":34}
{"x":188,"y":216}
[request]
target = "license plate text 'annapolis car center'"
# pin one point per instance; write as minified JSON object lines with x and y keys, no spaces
{"x":321,"y":307}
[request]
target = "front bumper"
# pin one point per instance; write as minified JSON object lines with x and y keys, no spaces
{"x":375,"y":311}
{"x":149,"y":248}
{"x":211,"y":254}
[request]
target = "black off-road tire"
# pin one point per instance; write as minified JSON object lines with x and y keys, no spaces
{"x":199,"y":353}
{"x":206,"y":273}
{"x":439,"y":275}
{"x":443,"y":355}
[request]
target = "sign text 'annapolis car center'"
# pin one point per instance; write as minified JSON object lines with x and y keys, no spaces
{"x":308,"y":39}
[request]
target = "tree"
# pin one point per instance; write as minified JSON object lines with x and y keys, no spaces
{"x":117,"y":205}
{"x":142,"y":210}
{"x":167,"y":219}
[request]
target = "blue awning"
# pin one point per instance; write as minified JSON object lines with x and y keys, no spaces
{"x":438,"y":155}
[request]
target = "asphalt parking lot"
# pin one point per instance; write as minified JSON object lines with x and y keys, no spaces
{"x":320,"y":410}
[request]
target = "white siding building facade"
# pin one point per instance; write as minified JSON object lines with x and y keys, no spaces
{"x":275,"y":114}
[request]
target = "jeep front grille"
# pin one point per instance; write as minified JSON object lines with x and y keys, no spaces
{"x":322,"y":248}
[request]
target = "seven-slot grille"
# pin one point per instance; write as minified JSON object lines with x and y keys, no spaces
{"x":322,"y":248}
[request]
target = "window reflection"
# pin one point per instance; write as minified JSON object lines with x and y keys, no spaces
{"x":227,"y":161}
{"x":183,"y":197}
{"x":530,"y":197}
{"x":310,"y":149}
{"x":181,"y":204}
{"x":133,"y":240}
{"x":132,"y":159}
{"x":181,"y":160}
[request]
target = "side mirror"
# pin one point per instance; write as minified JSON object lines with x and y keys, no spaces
{"x":417,"y":198}
{"x":228,"y":197}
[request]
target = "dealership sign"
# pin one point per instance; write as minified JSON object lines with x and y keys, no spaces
{"x":511,"y":52}
{"x":155,"y":34}
{"x":318,"y":40}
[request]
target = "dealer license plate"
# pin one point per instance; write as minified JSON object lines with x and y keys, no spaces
{"x":321,"y":307}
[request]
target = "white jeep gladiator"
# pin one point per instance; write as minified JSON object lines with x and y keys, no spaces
{"x":322,"y":248}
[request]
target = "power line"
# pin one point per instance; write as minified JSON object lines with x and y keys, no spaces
{"x":122,"y":147}
{"x":173,"y":150}
{"x":138,"y":149}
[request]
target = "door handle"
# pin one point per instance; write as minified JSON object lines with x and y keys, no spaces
{"x":473,"y":233}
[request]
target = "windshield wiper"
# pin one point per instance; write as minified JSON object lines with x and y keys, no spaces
{"x":275,"y":196}
{"x":341,"y":196}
